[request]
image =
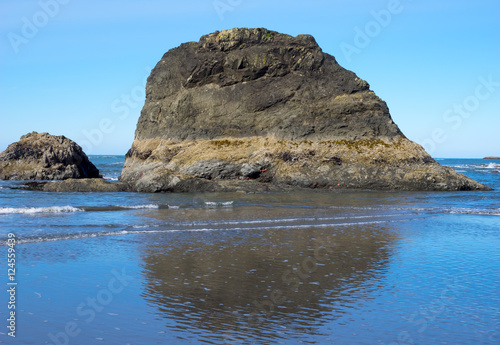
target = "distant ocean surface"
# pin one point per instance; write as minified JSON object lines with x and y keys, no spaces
{"x":278,"y":268}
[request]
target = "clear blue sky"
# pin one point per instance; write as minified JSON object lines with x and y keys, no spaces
{"x":78,"y":68}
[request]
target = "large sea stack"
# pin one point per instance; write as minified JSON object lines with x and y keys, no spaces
{"x":246,"y":108}
{"x":41,"y":156}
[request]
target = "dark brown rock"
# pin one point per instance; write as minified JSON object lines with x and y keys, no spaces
{"x":41,"y":156}
{"x":253,"y":106}
{"x":248,"y":82}
{"x":85,"y":185}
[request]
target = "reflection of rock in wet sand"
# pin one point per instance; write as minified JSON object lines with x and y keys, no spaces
{"x":250,"y":281}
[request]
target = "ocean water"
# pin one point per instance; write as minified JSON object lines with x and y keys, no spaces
{"x":278,"y":268}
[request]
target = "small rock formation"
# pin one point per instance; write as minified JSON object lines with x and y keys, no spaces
{"x":85,"y":185}
{"x":253,"y":105}
{"x":41,"y":156}
{"x":491,"y":157}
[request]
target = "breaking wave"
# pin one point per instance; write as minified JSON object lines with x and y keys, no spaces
{"x":493,"y":166}
{"x":219,"y":203}
{"x":69,"y":209}
{"x":34,"y":210}
{"x":137,"y":207}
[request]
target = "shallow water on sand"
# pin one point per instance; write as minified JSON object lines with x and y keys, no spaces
{"x":280,"y":268}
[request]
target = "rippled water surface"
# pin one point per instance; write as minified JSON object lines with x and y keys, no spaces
{"x":281,"y":268}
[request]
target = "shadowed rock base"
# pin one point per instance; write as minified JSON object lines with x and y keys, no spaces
{"x":268,"y":164}
{"x":85,"y":185}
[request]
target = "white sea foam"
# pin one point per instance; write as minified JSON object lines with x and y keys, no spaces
{"x":69,"y":209}
{"x":33,"y":210}
{"x":219,"y":203}
{"x":110,"y":178}
{"x":475,"y":211}
{"x":476,"y":166}
{"x":137,"y":207}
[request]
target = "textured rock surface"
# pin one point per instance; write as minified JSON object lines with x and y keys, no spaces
{"x":41,"y":156}
{"x":252,"y":105}
{"x":242,"y":82}
{"x":85,"y":185}
{"x":491,"y":157}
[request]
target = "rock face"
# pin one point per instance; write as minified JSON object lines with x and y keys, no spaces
{"x":254,"y":104}
{"x":41,"y":156}
{"x":85,"y":185}
{"x":491,"y":157}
